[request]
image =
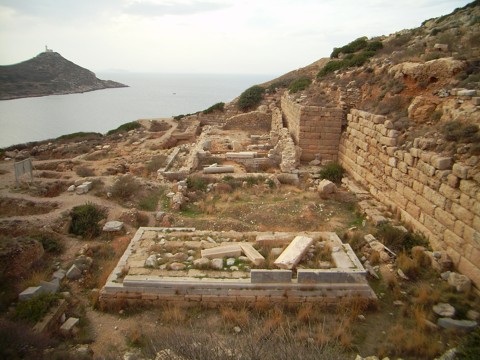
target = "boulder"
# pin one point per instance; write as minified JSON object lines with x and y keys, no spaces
{"x":201,"y":263}
{"x":177,"y":266}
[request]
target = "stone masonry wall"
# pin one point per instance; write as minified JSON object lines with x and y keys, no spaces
{"x":316,"y":130}
{"x":433,"y":194}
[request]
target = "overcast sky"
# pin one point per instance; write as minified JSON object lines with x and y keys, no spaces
{"x":201,"y":36}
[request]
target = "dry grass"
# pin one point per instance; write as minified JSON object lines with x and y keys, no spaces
{"x":173,"y":314}
{"x":412,"y":342}
{"x":425,"y":295}
{"x":235,"y":316}
{"x":408,"y":265}
{"x":34,"y":279}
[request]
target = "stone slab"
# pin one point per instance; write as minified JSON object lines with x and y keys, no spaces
{"x":68,"y":326}
{"x":218,"y":169}
{"x":341,"y":258}
{"x":222,"y":251}
{"x":258,"y":276}
{"x":50,"y":287}
{"x":112,"y":226}
{"x":29,"y":292}
{"x":313,"y":276}
{"x":271,"y":239}
{"x":252,"y":254}
{"x":294,"y":252}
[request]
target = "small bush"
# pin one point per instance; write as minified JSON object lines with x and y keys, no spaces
{"x":125,"y":128}
{"x":34,"y":309}
{"x":250,"y":98}
{"x":398,"y":240}
{"x":51,"y":243}
{"x":80,"y":136}
{"x":299,"y":85}
{"x":18,"y":341}
{"x":150,"y":201}
{"x":333,"y":172}
{"x":85,"y":220}
{"x":156,"y":163}
{"x":217,"y":107}
{"x":460,"y":132}
{"x":284,"y":83}
{"x":125,"y":187}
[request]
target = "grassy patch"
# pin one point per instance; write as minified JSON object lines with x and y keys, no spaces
{"x":125,"y":128}
{"x":125,"y":187}
{"x":216,"y":107}
{"x":299,"y":85}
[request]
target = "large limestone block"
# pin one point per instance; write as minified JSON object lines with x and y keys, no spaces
{"x":252,"y":254}
{"x":222,"y":251}
{"x":294,"y":252}
{"x":327,"y":187}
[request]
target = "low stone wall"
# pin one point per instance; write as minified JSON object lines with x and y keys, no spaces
{"x":251,"y":121}
{"x":316,"y":130}
{"x":433,"y":194}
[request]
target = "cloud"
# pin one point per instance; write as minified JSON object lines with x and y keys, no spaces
{"x":161,"y":8}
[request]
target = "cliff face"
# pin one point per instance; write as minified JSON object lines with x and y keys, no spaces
{"x":48,"y":74}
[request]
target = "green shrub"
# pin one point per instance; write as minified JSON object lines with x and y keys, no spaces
{"x":34,"y":309}
{"x":217,"y":107}
{"x":350,"y":48}
{"x":458,"y":131}
{"x":125,"y":187}
{"x":150,"y":201}
{"x":284,"y":83}
{"x":84,"y":171}
{"x":374,"y":46}
{"x":333,"y":172}
{"x":351,"y":60}
{"x":85,"y":220}
{"x":299,"y":85}
{"x":80,"y":136}
{"x":331,"y":66}
{"x":125,"y":127}
{"x":250,"y":98}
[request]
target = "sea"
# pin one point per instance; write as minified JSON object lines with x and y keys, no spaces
{"x":148,"y":96}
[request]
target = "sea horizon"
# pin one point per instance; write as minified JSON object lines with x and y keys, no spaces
{"x":148,"y":95}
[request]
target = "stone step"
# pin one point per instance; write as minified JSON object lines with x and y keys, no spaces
{"x":294,"y":252}
{"x":253,"y":255}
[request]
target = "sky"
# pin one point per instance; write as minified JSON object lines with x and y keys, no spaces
{"x":201,"y":36}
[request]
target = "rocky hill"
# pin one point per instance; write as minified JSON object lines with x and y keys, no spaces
{"x":48,"y":74}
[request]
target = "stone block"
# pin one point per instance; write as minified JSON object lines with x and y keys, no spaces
{"x":460,"y":170}
{"x":460,"y":282}
{"x":252,"y":254}
{"x":434,"y":197}
{"x":218,"y":169}
{"x":453,"y":181}
{"x":388,"y":141}
{"x":314,"y":276}
{"x":294,"y":252}
{"x":466,"y":92}
{"x":30,"y":292}
{"x":442,"y":162}
{"x":271,"y":239}
{"x":445,"y":217}
{"x":378,"y":119}
{"x":341,"y":258}
{"x":222,"y":251}
{"x":50,"y":287}
{"x":260,"y":276}
{"x":68,"y":326}
{"x":462,"y":214}
{"x":59,"y":274}
{"x":74,"y":273}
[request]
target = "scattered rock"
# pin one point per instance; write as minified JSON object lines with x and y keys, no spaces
{"x":202,"y":263}
{"x":473,"y":315}
{"x":71,"y":188}
{"x":444,"y":310}
{"x":231,"y":261}
{"x":460,"y":282}
{"x":463,"y":325}
{"x":237,"y":330}
{"x":217,"y":264}
{"x":401,"y":274}
{"x":151,"y":261}
{"x":177,"y":266}
{"x":112,"y":226}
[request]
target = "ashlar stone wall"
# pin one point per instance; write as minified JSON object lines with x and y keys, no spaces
{"x":433,"y":194}
{"x":315,"y":129}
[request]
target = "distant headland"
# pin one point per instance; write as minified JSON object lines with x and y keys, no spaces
{"x":48,"y":73}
